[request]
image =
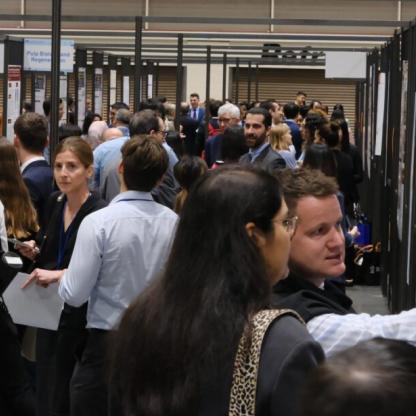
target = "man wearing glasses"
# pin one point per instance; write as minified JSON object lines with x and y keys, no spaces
{"x":228,"y":115}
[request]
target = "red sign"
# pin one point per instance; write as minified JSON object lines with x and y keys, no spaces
{"x":14,"y":73}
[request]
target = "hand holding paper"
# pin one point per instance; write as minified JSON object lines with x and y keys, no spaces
{"x":35,"y":305}
{"x":43,"y":277}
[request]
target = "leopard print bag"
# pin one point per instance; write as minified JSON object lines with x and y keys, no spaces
{"x":246,"y":365}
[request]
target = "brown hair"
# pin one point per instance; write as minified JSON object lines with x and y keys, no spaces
{"x":32,"y":131}
{"x":20,"y":215}
{"x":145,"y":161}
{"x":79,"y":147}
{"x":276,"y":137}
{"x":300,"y":183}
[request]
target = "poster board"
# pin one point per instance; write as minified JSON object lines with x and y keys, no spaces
{"x":14,"y":85}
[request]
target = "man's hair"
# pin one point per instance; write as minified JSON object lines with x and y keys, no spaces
{"x":262,"y":111}
{"x":302,"y":93}
{"x":231,"y":109}
{"x":301,"y":183}
{"x":184,"y":109}
{"x":374,"y":378}
{"x":194,"y":94}
{"x":47,"y":106}
{"x":143,"y":122}
{"x":32,"y":131}
{"x":117,"y":105}
{"x":144,"y":161}
{"x":291,"y":110}
{"x":123,"y":116}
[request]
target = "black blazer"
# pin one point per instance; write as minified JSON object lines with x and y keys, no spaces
{"x":268,"y":159}
{"x":39,"y":181}
{"x":48,"y":241}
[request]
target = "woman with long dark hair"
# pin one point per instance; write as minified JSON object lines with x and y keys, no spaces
{"x":52,"y":251}
{"x":20,"y":214}
{"x":176,"y":345}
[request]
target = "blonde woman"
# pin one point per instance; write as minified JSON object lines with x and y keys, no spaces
{"x":280,"y":140}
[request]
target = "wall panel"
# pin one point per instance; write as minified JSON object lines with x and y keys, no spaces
{"x":283,"y":84}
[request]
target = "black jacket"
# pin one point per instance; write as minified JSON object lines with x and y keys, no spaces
{"x":308,"y":300}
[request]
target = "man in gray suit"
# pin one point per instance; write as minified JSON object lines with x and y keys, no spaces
{"x":256,"y":128}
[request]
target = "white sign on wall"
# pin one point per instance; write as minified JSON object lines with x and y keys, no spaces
{"x":126,"y":89}
{"x":113,"y":86}
{"x":82,"y":80}
{"x":98,"y":90}
{"x":1,"y":58}
{"x":40,"y":91}
{"x":37,"y":55}
{"x":346,"y":65}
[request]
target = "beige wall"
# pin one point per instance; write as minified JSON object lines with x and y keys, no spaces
{"x":196,"y":80}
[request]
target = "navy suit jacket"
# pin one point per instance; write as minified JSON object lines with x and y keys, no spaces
{"x":268,"y":159}
{"x":201,"y":114}
{"x":39,"y":180}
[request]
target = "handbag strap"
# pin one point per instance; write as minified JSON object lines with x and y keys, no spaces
{"x":246,"y":364}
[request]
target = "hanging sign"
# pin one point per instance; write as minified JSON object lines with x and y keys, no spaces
{"x":37,"y":55}
{"x":14,"y":78}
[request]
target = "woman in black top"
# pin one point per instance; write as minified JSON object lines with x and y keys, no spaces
{"x":175,"y":349}
{"x":56,"y":350}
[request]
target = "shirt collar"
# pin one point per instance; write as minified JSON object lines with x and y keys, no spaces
{"x":132,"y":195}
{"x":255,"y":153}
{"x":23,"y":166}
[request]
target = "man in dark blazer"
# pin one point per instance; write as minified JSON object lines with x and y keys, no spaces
{"x":189,"y":130}
{"x":256,"y":128}
{"x":196,"y":112}
{"x":31,"y":138}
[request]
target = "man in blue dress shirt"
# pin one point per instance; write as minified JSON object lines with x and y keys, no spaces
{"x":119,"y":249}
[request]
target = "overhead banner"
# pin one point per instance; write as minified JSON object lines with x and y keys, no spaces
{"x":38,"y":57}
{"x":14,"y":79}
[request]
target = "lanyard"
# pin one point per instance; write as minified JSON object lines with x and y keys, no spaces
{"x":63,"y":239}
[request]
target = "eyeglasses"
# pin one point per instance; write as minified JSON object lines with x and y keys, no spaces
{"x":289,"y":224}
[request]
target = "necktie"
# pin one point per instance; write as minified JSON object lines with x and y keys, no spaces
{"x":194,"y":113}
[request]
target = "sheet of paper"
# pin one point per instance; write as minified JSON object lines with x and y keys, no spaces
{"x":35,"y":305}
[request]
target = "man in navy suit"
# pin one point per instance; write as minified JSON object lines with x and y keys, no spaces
{"x":30,"y":140}
{"x":196,"y":112}
{"x":256,"y":130}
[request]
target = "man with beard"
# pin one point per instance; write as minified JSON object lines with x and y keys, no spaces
{"x":256,"y":129}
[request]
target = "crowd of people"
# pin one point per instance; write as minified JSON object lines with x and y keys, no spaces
{"x":201,"y":269}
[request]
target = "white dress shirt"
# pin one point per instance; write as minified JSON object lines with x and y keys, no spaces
{"x":118,"y":250}
{"x":3,"y":230}
{"x":339,"y":332}
{"x":23,"y":166}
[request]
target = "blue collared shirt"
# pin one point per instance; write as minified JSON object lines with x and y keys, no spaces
{"x":104,"y":154}
{"x":255,"y":153}
{"x":118,"y":250}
